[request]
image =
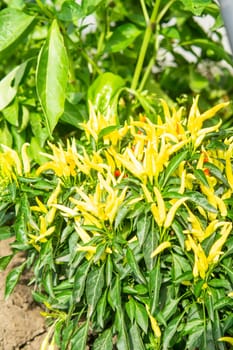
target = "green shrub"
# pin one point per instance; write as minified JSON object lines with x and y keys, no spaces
{"x":128,"y":232}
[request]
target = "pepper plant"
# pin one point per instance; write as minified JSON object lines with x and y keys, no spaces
{"x":128,"y":231}
{"x":57,"y":55}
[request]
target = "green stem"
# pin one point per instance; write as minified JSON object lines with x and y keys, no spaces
{"x":144,"y":46}
{"x":90,"y":60}
{"x":164,"y":10}
{"x":144,"y":10}
{"x":44,"y":9}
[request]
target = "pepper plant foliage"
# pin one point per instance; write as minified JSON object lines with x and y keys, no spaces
{"x":55,"y":55}
{"x":128,"y":232}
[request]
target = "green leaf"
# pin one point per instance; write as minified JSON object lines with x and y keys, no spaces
{"x":143,"y":227}
{"x":122,"y":37}
{"x":200,"y":175}
{"x":141,"y":316}
{"x":80,"y":280}
{"x":173,"y":165}
{"x":121,"y":214}
{"x":22,"y":219}
{"x":9,"y":85}
{"x":14,"y":26}
{"x":135,"y":338}
{"x":104,"y":341}
{"x":155,"y":280}
{"x":114,"y":295}
{"x":149,"y":246}
{"x":101,"y":309}
{"x":170,"y":308}
{"x":12,"y":279}
{"x":134,"y":266}
{"x":4,"y":261}
{"x":5,"y":134}
{"x":122,"y":338}
{"x":52,"y":76}
{"x":200,"y":200}
{"x":170,"y":331}
{"x":48,"y":282}
{"x":195,"y":6}
{"x":79,"y":340}
{"x":216,"y":172}
{"x":108,"y":270}
{"x":70,"y":11}
{"x":94,"y":286}
{"x":130,"y":307}
{"x":103,"y":92}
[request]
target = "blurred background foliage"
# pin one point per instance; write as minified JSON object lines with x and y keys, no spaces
{"x":170,"y":49}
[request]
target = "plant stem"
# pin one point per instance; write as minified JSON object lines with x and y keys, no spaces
{"x":144,"y":10}
{"x":144,"y":46}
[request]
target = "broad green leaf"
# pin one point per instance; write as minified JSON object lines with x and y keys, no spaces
{"x":80,"y":280}
{"x":170,"y":331}
{"x":11,"y":113}
{"x":4,"y":261}
{"x":141,"y":316}
{"x":224,"y":302}
{"x":135,"y":338}
{"x":48,"y":282}
{"x":73,"y":114}
{"x":101,"y":309}
{"x":121,"y":214}
{"x":9,"y":85}
{"x":70,"y":11}
{"x":14,"y":26}
{"x":195,"y":338}
{"x":122,"y":338}
{"x":66,"y":333}
{"x":52,"y":76}
{"x":114,"y":295}
{"x":173,"y":165}
{"x":108,"y":270}
{"x":134,"y":266}
{"x":39,"y":297}
{"x":5,"y":134}
{"x":12,"y":279}
{"x":149,"y":246}
{"x":104,"y":341}
{"x":22,"y":219}
{"x":200,"y":200}
{"x":130,"y":307}
{"x":209,"y":306}
{"x":170,"y":308}
{"x":94,"y":286}
{"x":155,"y":280}
{"x":79,"y":340}
{"x":143,"y":227}
{"x":122,"y":37}
{"x":195,"y":6}
{"x":103,"y":93}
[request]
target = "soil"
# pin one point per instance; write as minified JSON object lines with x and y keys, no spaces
{"x":21,"y":325}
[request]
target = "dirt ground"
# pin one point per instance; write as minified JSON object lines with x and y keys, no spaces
{"x":21,"y":325}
